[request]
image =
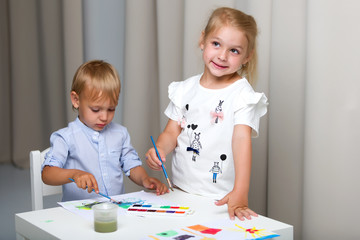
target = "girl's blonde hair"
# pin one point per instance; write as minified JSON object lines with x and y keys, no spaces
{"x":235,"y":18}
{"x":99,"y":78}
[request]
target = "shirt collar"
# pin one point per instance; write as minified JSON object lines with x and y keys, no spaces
{"x":91,"y":133}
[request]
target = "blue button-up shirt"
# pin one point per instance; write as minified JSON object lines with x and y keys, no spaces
{"x":105,"y":154}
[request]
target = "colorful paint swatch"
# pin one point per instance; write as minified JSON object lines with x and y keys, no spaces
{"x":198,"y":228}
{"x":145,"y":209}
{"x":221,"y":229}
{"x":203,"y":229}
{"x":169,"y":233}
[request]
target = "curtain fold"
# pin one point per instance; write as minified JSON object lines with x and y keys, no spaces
{"x":36,"y":75}
{"x":332,"y":114}
{"x":141,"y":88}
{"x":170,"y":42}
{"x":286,"y":112}
{"x":73,"y":48}
{"x":104,"y":37}
{"x":5,"y":84}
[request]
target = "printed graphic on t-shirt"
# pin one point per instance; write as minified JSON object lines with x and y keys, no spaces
{"x":195,"y":145}
{"x":182,"y":121}
{"x":217,"y":115}
{"x":216,"y":169}
{"x":194,"y":138}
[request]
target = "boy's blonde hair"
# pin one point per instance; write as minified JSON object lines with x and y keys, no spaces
{"x":232,"y":17}
{"x":99,"y":78}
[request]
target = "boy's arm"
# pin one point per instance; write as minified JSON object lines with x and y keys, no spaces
{"x":58,"y":176}
{"x":237,"y":199}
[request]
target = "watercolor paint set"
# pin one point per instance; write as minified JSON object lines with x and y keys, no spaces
{"x":158,"y":210}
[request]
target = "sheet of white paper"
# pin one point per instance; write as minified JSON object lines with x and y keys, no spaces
{"x":225,"y":229}
{"x":83,"y":207}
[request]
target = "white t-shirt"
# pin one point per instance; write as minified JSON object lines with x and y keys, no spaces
{"x":203,"y":161}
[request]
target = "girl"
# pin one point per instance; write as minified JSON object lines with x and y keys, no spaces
{"x":213,"y":115}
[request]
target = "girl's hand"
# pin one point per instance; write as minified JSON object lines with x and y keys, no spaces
{"x":85,"y":180}
{"x":155,"y":184}
{"x":152,"y":160}
{"x":237,"y":206}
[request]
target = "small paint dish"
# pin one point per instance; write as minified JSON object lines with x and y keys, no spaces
{"x":105,"y":217}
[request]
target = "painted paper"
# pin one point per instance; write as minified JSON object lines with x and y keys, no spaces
{"x":225,"y":229}
{"x":83,"y":207}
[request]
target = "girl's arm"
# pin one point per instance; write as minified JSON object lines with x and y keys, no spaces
{"x":237,"y":199}
{"x":139,"y":176}
{"x":165,"y":144}
{"x":59,"y":176}
{"x":242,"y":152}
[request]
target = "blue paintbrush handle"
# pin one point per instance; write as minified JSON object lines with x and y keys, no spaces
{"x":94,"y":191}
{"x":162,"y":164}
{"x":158,"y":155}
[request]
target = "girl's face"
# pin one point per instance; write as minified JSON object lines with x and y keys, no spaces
{"x":95,"y":114}
{"x":224,"y":51}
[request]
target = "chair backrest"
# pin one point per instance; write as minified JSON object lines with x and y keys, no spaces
{"x":38,"y":188}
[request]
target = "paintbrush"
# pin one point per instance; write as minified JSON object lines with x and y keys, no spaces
{"x":104,"y":195}
{"x":162,"y":164}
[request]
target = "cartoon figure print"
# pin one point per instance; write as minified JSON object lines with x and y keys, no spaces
{"x":182,"y":121}
{"x":218,"y":114}
{"x":216,"y":169}
{"x":195,"y":146}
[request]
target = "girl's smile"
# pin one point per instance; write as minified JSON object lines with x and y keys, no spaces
{"x":224,"y":52}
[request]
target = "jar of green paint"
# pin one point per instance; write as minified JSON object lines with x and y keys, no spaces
{"x":105,"y":217}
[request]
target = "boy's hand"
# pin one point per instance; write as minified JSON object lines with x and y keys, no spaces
{"x":155,"y":184}
{"x":152,"y":160}
{"x":237,"y":206}
{"x":86,"y":180}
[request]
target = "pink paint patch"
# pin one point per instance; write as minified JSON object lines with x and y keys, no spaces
{"x":212,"y":231}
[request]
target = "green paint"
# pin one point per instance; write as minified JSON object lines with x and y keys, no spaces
{"x":87,"y":206}
{"x":169,"y":233}
{"x":165,"y":207}
{"x":105,"y":227}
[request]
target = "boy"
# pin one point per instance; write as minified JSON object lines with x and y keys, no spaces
{"x":93,"y":150}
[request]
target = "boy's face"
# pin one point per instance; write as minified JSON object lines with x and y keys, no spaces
{"x":95,"y":114}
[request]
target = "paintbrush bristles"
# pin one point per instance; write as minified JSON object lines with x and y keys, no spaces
{"x":170,"y":184}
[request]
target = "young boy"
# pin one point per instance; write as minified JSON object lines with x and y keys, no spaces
{"x":93,"y":150}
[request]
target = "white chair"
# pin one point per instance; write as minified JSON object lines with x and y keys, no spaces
{"x":38,"y":188}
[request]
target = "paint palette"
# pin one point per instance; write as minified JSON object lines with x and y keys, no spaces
{"x":148,"y":209}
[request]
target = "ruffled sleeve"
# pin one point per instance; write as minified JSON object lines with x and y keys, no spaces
{"x":249,"y":107}
{"x":177,"y":91}
{"x":173,"y":110}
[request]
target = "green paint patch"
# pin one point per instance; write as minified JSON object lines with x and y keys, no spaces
{"x":169,"y":233}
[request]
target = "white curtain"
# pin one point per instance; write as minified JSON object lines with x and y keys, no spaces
{"x":306,"y":159}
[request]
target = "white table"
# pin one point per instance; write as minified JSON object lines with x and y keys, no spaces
{"x":59,"y":223}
